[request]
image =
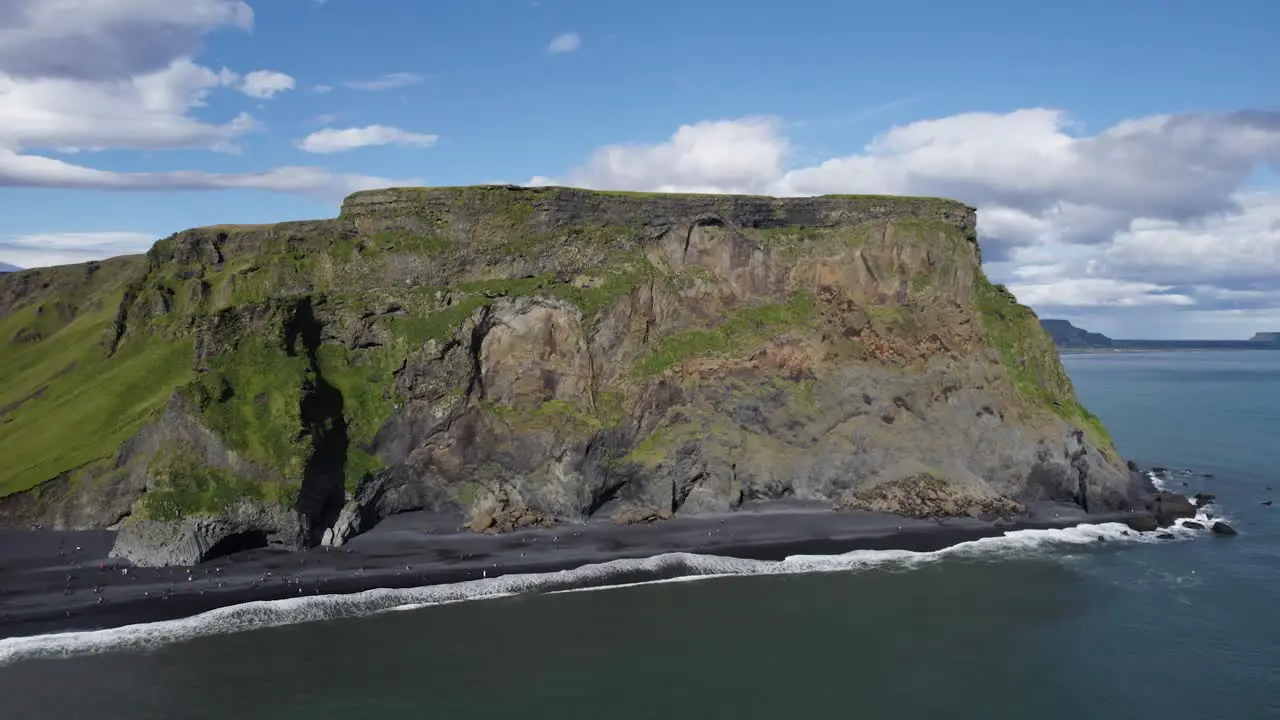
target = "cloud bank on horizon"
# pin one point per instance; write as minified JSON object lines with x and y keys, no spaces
{"x":1157,"y":219}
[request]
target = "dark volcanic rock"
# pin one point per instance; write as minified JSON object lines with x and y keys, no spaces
{"x":1192,"y":524}
{"x":1223,"y":530}
{"x":1166,"y":536}
{"x":1169,"y":507}
{"x":1143,"y":523}
{"x":1203,"y":498}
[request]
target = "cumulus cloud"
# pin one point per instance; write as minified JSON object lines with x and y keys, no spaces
{"x":711,"y":156}
{"x":389,"y":81}
{"x":331,"y":140}
{"x":1241,"y":246}
{"x":1147,"y":214}
{"x":43,"y":249}
{"x":563,"y":43}
{"x":107,"y":40}
{"x":144,"y":111}
{"x":265,"y":83}
{"x":120,"y":74}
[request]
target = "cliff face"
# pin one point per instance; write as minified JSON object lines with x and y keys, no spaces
{"x":523,"y":356}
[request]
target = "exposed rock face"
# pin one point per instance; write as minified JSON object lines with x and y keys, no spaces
{"x":524,"y":356}
{"x":187,"y":541}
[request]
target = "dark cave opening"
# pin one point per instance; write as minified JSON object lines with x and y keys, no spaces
{"x":238,"y":542}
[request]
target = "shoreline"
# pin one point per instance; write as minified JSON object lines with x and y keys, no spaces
{"x":60,"y":581}
{"x":1134,"y":350}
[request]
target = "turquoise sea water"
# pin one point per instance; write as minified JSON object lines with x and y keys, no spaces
{"x":1036,"y":626}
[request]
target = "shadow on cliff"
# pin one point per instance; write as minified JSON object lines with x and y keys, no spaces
{"x":323,"y":419}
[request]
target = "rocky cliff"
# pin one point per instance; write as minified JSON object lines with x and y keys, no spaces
{"x":1066,"y":335}
{"x":532,"y":356}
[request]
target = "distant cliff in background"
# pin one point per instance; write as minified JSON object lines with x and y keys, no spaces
{"x":6,"y":267}
{"x":1069,"y":337}
{"x":1066,"y":335}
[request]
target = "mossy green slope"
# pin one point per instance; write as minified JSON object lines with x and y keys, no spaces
{"x":65,"y":403}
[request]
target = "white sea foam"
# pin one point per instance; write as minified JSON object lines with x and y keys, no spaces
{"x":1202,"y":515}
{"x":609,"y":575}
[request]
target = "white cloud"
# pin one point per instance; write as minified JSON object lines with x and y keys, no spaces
{"x":43,"y":249}
{"x":79,"y":76}
{"x":1092,"y":292}
{"x":331,"y":140}
{"x":389,"y":81}
{"x":151,"y":110}
{"x":1241,"y":246}
{"x":265,"y":83}
{"x":321,"y":89}
{"x":710,"y":156}
{"x":107,"y":39}
{"x":1149,"y":213}
{"x":37,"y":171}
{"x":564,"y":43}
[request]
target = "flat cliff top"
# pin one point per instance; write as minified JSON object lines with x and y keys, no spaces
{"x":613,"y":207}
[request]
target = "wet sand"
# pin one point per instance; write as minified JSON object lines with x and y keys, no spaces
{"x":54,"y":581}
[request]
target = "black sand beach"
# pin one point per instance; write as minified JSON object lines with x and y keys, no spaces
{"x":52,"y":581}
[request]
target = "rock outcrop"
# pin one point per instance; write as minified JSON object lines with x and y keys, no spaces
{"x":526,"y":356}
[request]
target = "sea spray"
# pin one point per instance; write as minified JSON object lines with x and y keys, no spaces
{"x":608,"y":575}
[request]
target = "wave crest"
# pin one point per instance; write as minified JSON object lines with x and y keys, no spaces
{"x":608,"y":575}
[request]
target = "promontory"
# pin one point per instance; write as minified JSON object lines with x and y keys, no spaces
{"x":518,"y":357}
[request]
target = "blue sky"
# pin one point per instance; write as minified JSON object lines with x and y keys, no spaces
{"x":1098,"y":139}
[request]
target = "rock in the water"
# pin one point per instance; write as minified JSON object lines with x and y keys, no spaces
{"x":1192,"y":524}
{"x":1223,"y":530}
{"x":1266,"y":502}
{"x":1203,"y":498}
{"x":1169,"y":508}
{"x":1165,"y":536}
{"x":1143,"y":523}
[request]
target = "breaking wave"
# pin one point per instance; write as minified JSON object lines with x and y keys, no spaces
{"x":602,"y":576}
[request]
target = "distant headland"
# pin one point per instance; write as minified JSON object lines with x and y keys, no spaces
{"x":1070,"y":338}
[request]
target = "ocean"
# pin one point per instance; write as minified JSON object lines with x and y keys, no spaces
{"x":1043,"y":624}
